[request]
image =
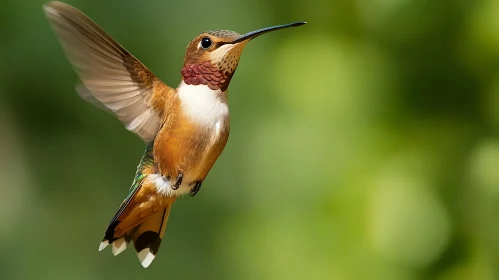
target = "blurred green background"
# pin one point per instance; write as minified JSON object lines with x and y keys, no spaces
{"x":364,"y":145}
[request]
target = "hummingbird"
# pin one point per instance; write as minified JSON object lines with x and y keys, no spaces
{"x":185,"y":128}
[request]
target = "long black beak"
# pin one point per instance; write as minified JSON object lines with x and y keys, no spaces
{"x":256,"y":33}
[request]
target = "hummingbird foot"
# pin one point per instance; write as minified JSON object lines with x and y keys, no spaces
{"x":166,"y":178}
{"x":178,"y":182}
{"x":197,"y":186}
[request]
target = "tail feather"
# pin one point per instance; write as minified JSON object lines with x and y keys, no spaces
{"x":148,"y":235}
{"x":142,"y":216}
{"x":119,"y":245}
{"x":143,"y":169}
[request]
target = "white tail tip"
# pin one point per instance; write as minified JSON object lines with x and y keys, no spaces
{"x":146,"y":257}
{"x":103,"y":245}
{"x":119,"y":245}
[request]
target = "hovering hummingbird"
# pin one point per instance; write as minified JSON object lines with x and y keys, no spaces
{"x":185,"y":128}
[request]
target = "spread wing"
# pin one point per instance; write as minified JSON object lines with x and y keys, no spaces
{"x":110,"y":74}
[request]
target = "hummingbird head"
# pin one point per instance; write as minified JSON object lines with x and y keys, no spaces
{"x":212,"y":57}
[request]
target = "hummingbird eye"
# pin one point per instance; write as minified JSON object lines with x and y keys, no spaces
{"x":206,"y":43}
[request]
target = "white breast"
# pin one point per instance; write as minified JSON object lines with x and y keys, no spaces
{"x":203,"y":105}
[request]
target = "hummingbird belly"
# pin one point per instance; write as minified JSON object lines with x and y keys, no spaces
{"x":193,"y":140}
{"x":193,"y":157}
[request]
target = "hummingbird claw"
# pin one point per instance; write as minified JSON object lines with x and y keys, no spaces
{"x":194,"y":190}
{"x":178,"y":182}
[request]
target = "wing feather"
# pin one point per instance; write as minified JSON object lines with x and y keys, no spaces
{"x":110,"y":74}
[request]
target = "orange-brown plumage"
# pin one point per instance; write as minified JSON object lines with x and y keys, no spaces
{"x":187,"y":147}
{"x":163,"y":100}
{"x":145,"y":202}
{"x":185,"y":128}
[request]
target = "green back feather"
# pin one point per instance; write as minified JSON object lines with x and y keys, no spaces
{"x":147,"y":160}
